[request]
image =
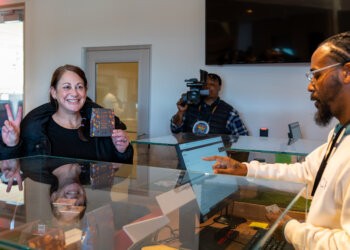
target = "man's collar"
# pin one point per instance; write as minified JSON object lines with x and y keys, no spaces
{"x":338,"y":126}
{"x":216,"y":102}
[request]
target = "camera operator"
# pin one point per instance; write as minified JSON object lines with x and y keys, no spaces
{"x":211,"y":115}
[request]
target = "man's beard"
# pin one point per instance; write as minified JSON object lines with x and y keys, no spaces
{"x":323,"y":116}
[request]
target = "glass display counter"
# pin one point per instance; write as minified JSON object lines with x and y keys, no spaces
{"x":299,"y":147}
{"x":78,"y":204}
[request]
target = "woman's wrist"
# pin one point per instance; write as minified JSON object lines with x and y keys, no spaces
{"x":12,"y":145}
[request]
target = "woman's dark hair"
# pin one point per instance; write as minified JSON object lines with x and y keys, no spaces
{"x":56,"y":76}
{"x":340,"y":47}
{"x":214,"y":77}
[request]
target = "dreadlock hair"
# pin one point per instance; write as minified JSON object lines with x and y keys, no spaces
{"x":340,"y":47}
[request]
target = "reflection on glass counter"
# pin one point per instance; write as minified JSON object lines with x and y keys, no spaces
{"x":300,"y":147}
{"x":78,"y":204}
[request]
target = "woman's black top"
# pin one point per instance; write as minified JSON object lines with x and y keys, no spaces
{"x":65,"y":142}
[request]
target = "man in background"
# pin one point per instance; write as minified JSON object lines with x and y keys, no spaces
{"x":211,"y":116}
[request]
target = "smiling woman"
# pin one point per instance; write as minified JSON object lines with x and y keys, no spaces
{"x":62,"y":126}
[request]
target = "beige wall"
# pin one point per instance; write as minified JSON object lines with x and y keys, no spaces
{"x":56,"y":31}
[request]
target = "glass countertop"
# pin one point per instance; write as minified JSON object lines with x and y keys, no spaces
{"x":300,"y":147}
{"x":63,"y":203}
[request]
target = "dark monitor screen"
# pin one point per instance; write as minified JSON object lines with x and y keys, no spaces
{"x":269,"y":31}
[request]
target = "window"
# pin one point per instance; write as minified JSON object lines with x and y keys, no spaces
{"x":11,"y":60}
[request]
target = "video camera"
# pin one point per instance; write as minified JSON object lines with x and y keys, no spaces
{"x":193,"y":96}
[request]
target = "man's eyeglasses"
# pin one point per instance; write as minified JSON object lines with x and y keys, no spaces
{"x":311,"y":74}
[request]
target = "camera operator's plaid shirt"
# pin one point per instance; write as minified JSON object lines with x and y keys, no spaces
{"x":234,"y":124}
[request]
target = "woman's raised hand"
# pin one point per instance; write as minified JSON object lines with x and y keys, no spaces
{"x":10,"y":131}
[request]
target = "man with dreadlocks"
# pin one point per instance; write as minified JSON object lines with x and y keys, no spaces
{"x":326,"y":170}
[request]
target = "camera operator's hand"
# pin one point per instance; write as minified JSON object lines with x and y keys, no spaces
{"x":182,"y":107}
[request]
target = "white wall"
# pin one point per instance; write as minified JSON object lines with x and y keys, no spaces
{"x":55,"y":32}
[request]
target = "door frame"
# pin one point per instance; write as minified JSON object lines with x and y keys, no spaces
{"x":133,"y":53}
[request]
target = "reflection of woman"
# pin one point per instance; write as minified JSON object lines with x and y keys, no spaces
{"x":66,"y":178}
{"x":61,"y":127}
{"x":68,"y":184}
{"x":67,"y":195}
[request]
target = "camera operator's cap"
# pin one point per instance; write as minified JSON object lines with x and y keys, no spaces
{"x":200,"y":128}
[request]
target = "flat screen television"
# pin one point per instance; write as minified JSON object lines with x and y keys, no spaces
{"x":270,"y":31}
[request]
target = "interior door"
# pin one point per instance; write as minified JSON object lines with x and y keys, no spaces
{"x":116,"y":88}
{"x":119,"y":78}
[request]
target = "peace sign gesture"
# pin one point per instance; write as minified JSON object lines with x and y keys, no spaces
{"x":11,"y":130}
{"x":11,"y":174}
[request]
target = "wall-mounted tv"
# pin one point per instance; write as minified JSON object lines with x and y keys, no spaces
{"x":270,"y":31}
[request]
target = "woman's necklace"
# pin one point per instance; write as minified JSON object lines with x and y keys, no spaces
{"x":68,"y":124}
